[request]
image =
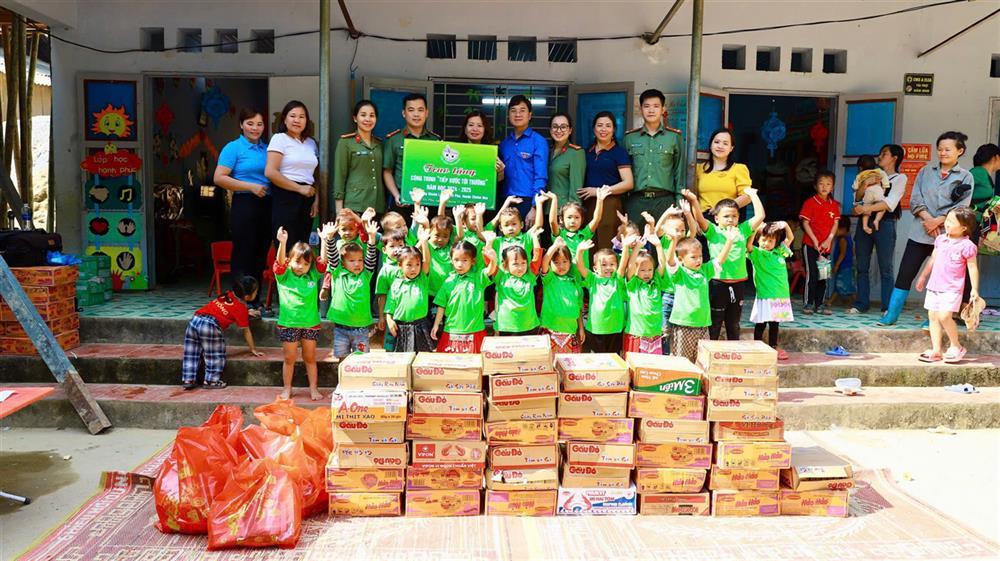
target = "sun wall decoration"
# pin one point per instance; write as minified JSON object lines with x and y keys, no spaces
{"x":112,"y":121}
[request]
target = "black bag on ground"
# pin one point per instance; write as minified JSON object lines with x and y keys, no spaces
{"x":28,"y":248}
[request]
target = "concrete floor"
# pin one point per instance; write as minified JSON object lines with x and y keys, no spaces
{"x":60,"y":469}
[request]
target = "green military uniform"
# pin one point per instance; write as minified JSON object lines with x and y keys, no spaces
{"x":357,"y":173}
{"x":658,"y":170}
{"x":392,"y":151}
{"x":567,"y":168}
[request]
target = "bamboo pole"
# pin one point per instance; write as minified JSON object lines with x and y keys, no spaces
{"x":24,"y":174}
{"x":8,"y":53}
{"x":26,"y":156}
{"x":4,"y":33}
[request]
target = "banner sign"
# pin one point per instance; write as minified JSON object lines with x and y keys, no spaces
{"x":469,"y":170}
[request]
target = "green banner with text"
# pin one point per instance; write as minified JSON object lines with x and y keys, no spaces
{"x":469,"y":170}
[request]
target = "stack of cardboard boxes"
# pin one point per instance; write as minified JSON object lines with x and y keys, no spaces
{"x":522,"y":476}
{"x":94,"y":285}
{"x":741,"y":382}
{"x":673,"y":451}
{"x":53,"y":292}
{"x":817,"y":484}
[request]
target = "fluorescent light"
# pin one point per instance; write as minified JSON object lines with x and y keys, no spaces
{"x":535,"y":101}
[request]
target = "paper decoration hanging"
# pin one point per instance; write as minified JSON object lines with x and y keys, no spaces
{"x":215,"y":104}
{"x":820,"y":135}
{"x":164,"y":116}
{"x":197,"y":139}
{"x":773,"y":131}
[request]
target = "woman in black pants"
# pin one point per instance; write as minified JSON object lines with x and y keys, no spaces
{"x":292,"y":160}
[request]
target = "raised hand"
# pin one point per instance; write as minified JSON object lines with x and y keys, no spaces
{"x":585,"y":245}
{"x":423,"y":235}
{"x":480,"y":209}
{"x":420,"y":215}
{"x":417,"y":194}
{"x":446,"y":195}
{"x":328,"y":230}
{"x":371,"y":227}
{"x":459,"y":213}
{"x":488,"y":237}
{"x":648,"y":218}
{"x":603,"y":193}
{"x":368,"y":214}
{"x":282,"y":235}
{"x":621,"y":217}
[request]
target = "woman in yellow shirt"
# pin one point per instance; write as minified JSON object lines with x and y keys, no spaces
{"x":720,"y":177}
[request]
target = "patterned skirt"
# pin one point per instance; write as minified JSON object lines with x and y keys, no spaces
{"x":647,"y":345}
{"x":461,"y":342}
{"x":772,"y":309}
{"x":563,"y":342}
{"x":413,"y":336}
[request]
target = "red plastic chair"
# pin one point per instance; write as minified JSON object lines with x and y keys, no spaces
{"x":222,"y":261}
{"x":268,"y":276}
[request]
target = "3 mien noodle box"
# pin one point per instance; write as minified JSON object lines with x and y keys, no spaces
{"x":524,"y":457}
{"x":361,"y":432}
{"x":596,"y":429}
{"x":524,"y":386}
{"x":600,"y":454}
{"x":742,"y":410}
{"x":453,"y":405}
{"x":731,"y":502}
{"x":442,"y":428}
{"x":755,"y":432}
{"x":666,"y":406}
{"x":669,"y":480}
{"x":675,"y":504}
{"x":449,"y":502}
{"x":447,"y":372}
{"x":542,"y":479}
{"x":468,"y":453}
{"x":822,"y":502}
{"x":589,"y":476}
{"x":517,"y":355}
{"x":521,"y":432}
{"x":375,"y":371}
{"x":814,"y":468}
{"x":520,"y":503}
{"x":743,"y":479}
{"x":664,"y":374}
{"x":381,"y":480}
{"x":664,"y":431}
{"x":673,"y":455}
{"x":746,"y":357}
{"x":753,"y":455}
{"x":368,"y":455}
{"x":575,"y":405}
{"x":598,"y":500}
{"x":368,"y":405}
{"x":534,"y":409}
{"x":419,"y":478}
{"x":365,"y":504}
{"x":592,"y":372}
{"x":741,"y":386}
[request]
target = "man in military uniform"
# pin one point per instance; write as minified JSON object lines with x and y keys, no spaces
{"x":657,"y":153}
{"x":415,"y":114}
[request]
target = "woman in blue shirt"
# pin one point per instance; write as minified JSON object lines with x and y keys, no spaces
{"x":241,"y":170}
{"x":608,"y":165}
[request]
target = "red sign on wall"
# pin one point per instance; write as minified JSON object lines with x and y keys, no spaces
{"x":916,"y":157}
{"x":112,"y":164}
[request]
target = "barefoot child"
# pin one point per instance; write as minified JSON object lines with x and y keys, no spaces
{"x":772,"y":304}
{"x":204,"y":338}
{"x":298,"y":276}
{"x":461,"y":299}
{"x":644,"y":290}
{"x":515,"y":284}
{"x":562,"y":299}
{"x":874,"y":183}
{"x":406,"y":309}
{"x":606,"y":298}
{"x":350,"y":288}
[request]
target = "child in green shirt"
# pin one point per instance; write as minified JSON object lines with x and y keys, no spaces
{"x":461,"y":299}
{"x":442,"y":231}
{"x":606,"y":305}
{"x":350,"y":289}
{"x":392,"y":243}
{"x":562,"y":299}
{"x":644,"y":289}
{"x":406,"y":310}
{"x":673,"y":222}
{"x":515,"y":284}
{"x":770,"y":277}
{"x":511,"y":227}
{"x":567,"y":222}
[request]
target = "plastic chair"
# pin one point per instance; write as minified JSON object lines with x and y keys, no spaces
{"x":222,"y":261}
{"x":268,"y":276}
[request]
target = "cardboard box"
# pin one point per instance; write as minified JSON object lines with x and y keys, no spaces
{"x":675,"y":504}
{"x":363,"y":432}
{"x":673,"y":455}
{"x":737,"y":357}
{"x":447,"y":372}
{"x":46,"y":276}
{"x":365,"y":504}
{"x":452,"y":405}
{"x":524,"y":386}
{"x":521,"y":503}
{"x":574,"y":477}
{"x":666,"y":406}
{"x":542,"y":479}
{"x":814,"y":468}
{"x":743,"y":479}
{"x":46,"y":294}
{"x":600,"y":454}
{"x":596,"y":429}
{"x":25,"y":346}
{"x":517,"y":355}
{"x":598,"y":501}
{"x":61,"y":325}
{"x":450,"y":502}
{"x":577,"y":405}
{"x":521,"y":432}
{"x":753,"y":455}
{"x":822,"y":502}
{"x":419,"y":478}
{"x":665,"y":431}
{"x":369,"y":406}
{"x":440,"y":428}
{"x":669,"y":480}
{"x":368,"y":455}
{"x":369,"y":480}
{"x":664,"y":374}
{"x":439,"y":453}
{"x":524,"y":457}
{"x":740,"y":386}
{"x":375,"y":371}
{"x":534,"y":409}
{"x":729,"y":502}
{"x":49,"y":311}
{"x":597,"y":372}
{"x":757,"y":432}
{"x":742,"y":410}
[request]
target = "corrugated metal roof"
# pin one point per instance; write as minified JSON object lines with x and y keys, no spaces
{"x":43,"y":73}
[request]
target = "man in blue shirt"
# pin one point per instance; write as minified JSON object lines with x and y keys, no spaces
{"x":525,"y":155}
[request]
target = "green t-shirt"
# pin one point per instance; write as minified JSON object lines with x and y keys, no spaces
{"x":691,"y":303}
{"x":386,"y":275}
{"x":407,"y":300}
{"x":770,"y":274}
{"x":440,"y":265}
{"x":501,"y":243}
{"x":645,"y":306}
{"x":462,"y":298}
{"x":606,"y":309}
{"x":667,"y":286}
{"x":735,"y":267}
{"x":350,"y":298}
{"x":516,"y":302}
{"x":561,"y":302}
{"x":573,"y":240}
{"x":341,"y":242}
{"x":299,"y":297}
{"x":474,"y":239}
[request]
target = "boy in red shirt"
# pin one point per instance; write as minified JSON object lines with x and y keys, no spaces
{"x":819,"y":216}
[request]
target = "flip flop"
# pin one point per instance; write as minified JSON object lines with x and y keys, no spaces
{"x":782,"y":354}
{"x":929,"y":356}
{"x":216,"y":385}
{"x":962,"y":388}
{"x":838,"y":351}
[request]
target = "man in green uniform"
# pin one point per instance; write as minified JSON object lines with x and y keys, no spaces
{"x":415,"y":114}
{"x":657,"y":153}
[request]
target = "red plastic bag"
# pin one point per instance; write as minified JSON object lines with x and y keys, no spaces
{"x":282,"y":416}
{"x":229,"y":419}
{"x":193,"y":474}
{"x":259,"y":507}
{"x":317,"y":434}
{"x":290,"y":454}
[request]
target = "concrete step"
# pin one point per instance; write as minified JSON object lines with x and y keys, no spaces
{"x":169,"y":407}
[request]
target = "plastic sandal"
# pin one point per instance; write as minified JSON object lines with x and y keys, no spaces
{"x":189,"y":385}
{"x":838,"y":351}
{"x":216,"y":385}
{"x":782,"y":354}
{"x":954,"y":355}
{"x":962,"y":388}
{"x":929,"y":356}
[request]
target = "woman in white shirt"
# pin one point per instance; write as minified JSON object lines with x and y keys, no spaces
{"x":292,"y":160}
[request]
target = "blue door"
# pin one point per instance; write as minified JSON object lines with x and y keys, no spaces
{"x":586,"y":101}
{"x":387,"y":94}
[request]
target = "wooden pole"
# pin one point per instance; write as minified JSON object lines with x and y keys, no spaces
{"x":23,"y":177}
{"x":9,"y":58}
{"x":29,"y":88}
